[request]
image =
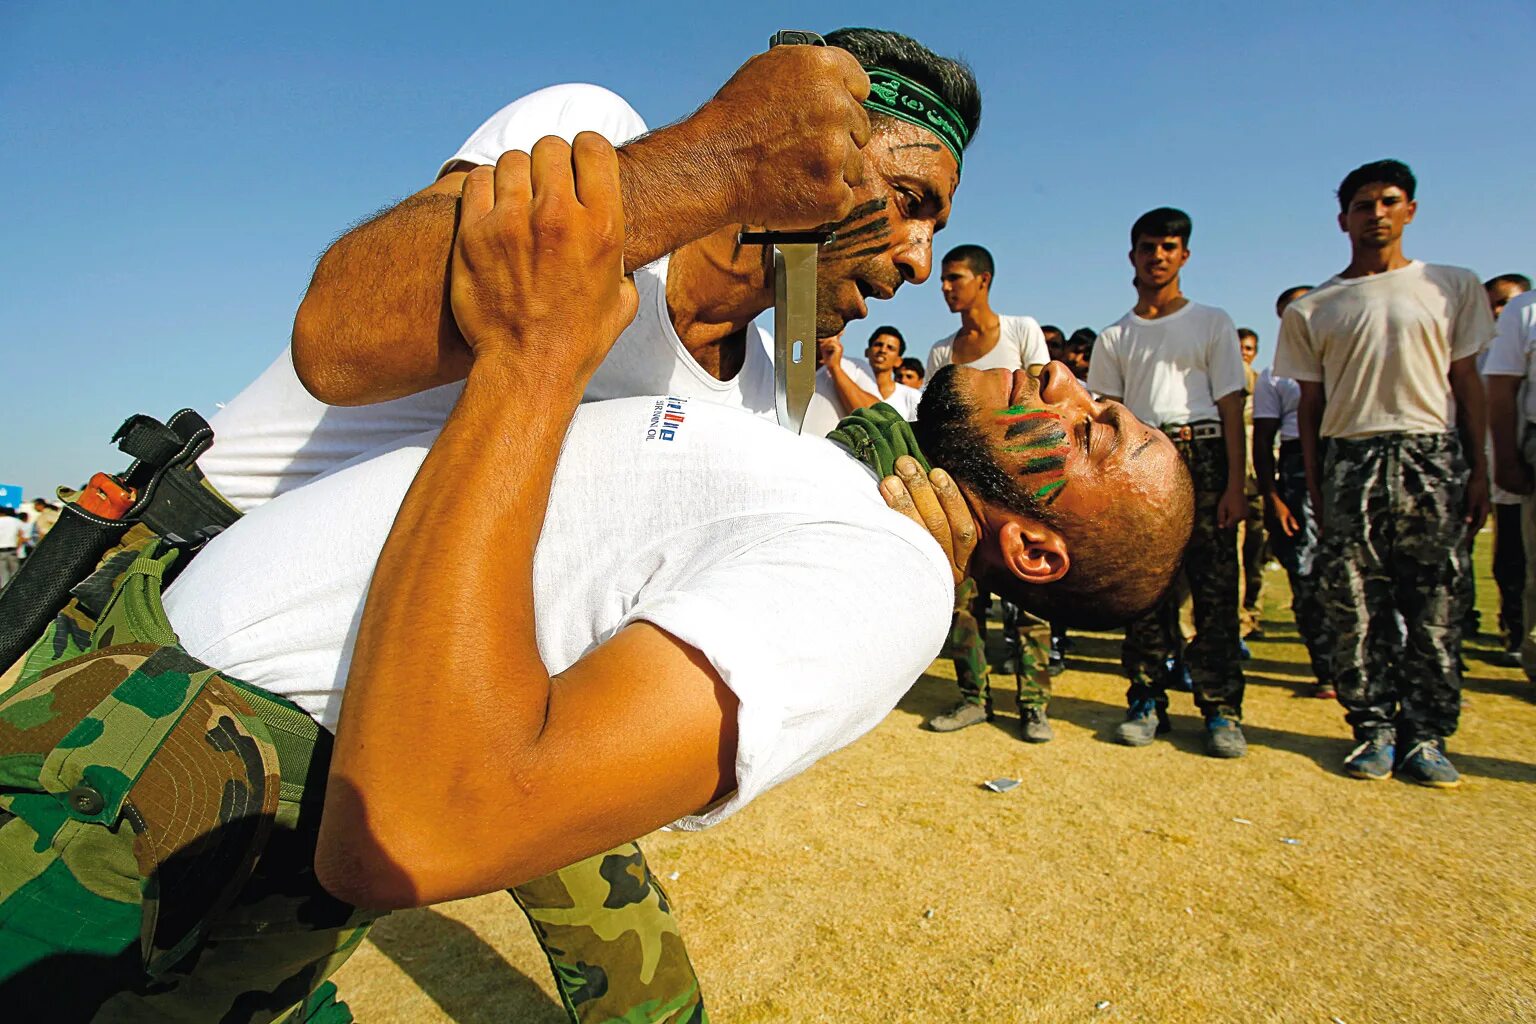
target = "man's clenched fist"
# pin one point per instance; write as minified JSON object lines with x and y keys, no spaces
{"x":538,"y":270}
{"x":792,"y":129}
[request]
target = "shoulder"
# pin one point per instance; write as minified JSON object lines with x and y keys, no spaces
{"x":564,"y":110}
{"x":1214,"y":316}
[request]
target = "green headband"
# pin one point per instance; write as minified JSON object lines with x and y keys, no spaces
{"x":890,"y":93}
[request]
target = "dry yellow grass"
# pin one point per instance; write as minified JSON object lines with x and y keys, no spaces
{"x":1112,"y":875}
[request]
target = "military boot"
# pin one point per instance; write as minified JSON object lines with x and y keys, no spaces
{"x":962,"y":716}
{"x":1034,"y":727}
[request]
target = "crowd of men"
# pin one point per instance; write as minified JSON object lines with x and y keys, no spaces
{"x":572,"y":672}
{"x":21,"y":530}
{"x":1357,"y":461}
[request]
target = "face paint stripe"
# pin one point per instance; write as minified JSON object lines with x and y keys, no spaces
{"x":1044,"y":464}
{"x":872,"y":250}
{"x":1051,"y":489}
{"x":857,"y":213}
{"x":1057,"y":444}
{"x":851,"y":234}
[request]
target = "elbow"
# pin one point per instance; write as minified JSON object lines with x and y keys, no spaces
{"x":314,"y":353}
{"x":365,"y":876}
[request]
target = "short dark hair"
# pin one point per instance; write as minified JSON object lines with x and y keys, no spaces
{"x":1248,"y":332}
{"x":1377,"y":172}
{"x":1518,"y":280}
{"x":1163,"y":222}
{"x":1290,"y":293}
{"x":1052,"y":329}
{"x":913,"y":363}
{"x":1083,"y":338}
{"x":973,"y":256}
{"x":950,"y":79}
{"x":893,"y":332}
{"x":1119,"y":568}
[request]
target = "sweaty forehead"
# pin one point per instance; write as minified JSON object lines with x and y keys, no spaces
{"x":903,"y":152}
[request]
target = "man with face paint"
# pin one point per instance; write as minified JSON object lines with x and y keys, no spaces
{"x":984,"y":340}
{"x":800,"y":137}
{"x":1177,"y":365}
{"x":1384,"y":352}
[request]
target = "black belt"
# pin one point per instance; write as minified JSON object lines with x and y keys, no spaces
{"x":1193,"y":431}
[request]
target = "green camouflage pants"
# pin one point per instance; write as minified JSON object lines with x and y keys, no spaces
{"x":967,"y":646}
{"x":137,"y":787}
{"x":1211,"y":568}
{"x":1393,"y":556}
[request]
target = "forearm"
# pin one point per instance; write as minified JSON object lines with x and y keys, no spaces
{"x":1230,"y":408}
{"x":1471,"y":414}
{"x":1503,"y":422}
{"x":849,"y":395}
{"x":375,"y":322}
{"x":1264,"y":431}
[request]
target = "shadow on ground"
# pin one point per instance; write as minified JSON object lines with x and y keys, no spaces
{"x":461,"y":973}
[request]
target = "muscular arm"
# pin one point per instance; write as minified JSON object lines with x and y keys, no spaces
{"x":849,"y":394}
{"x":1509,"y":468}
{"x":1234,"y":506}
{"x":1309,"y":427}
{"x":1472,"y":420}
{"x":523,"y":771}
{"x":375,"y":322}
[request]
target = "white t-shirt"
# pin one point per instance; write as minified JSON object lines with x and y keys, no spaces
{"x":1170,"y":370}
{"x":1514,"y":343}
{"x":1382,"y":346}
{"x":826,"y":408}
{"x":725,"y":530}
{"x":12,"y":532}
{"x":274,"y":435}
{"x":1020,"y":343}
{"x":1277,"y":398}
{"x":904,"y":400}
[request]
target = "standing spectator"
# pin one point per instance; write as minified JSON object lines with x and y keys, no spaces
{"x":1253,"y":547}
{"x":1510,"y":368}
{"x":884,"y":355}
{"x":1379,"y":352}
{"x":1508,"y":546}
{"x":1079,"y":351}
{"x":911,"y":372}
{"x":44,"y":515}
{"x":1055,"y":342}
{"x":1292,"y":521}
{"x":842,"y":386}
{"x":11,"y":537}
{"x":1176,"y":364}
{"x":987,"y":340}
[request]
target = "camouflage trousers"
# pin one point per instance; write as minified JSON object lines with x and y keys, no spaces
{"x":1393,"y":557}
{"x":1528,"y":536}
{"x":1211,"y":570}
{"x":1028,"y":640}
{"x":1298,"y":554}
{"x":1254,"y":551}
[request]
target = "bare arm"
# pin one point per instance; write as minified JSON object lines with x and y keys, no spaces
{"x":779,"y":145}
{"x":1282,"y":518}
{"x":1472,"y":419}
{"x":544,"y":770}
{"x":1509,"y":467}
{"x":1234,"y":504}
{"x":1309,"y":426}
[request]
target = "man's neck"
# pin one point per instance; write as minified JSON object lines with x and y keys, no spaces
{"x":1367,"y":260}
{"x":885,"y":380}
{"x":1155,"y":302}
{"x":715,"y":288}
{"x":979,"y":318}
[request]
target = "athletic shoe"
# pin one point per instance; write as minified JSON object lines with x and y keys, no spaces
{"x":1427,"y":765}
{"x":1142,"y":724}
{"x":1370,"y":760}
{"x":1224,"y":737}
{"x":1034,"y":727}
{"x":1324,"y":691}
{"x":1243,"y":652}
{"x":961,"y":716}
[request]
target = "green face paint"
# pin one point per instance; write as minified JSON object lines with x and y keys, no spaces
{"x":1043,"y":434}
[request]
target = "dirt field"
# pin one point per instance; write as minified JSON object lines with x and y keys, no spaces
{"x":1114,"y":885}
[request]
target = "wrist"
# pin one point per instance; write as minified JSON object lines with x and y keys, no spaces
{"x":699,"y":142}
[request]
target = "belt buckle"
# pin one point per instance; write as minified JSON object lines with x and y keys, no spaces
{"x":1184,"y":433}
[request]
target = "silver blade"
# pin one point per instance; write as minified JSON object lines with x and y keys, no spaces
{"x":794,"y":331}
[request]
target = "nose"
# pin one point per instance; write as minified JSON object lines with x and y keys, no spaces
{"x":1058,"y":386}
{"x":915,"y":258}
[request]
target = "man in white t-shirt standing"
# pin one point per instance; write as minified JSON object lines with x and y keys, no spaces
{"x":987,"y":340}
{"x":1509,"y":369}
{"x":884,"y":354}
{"x":1290,"y":518}
{"x":1177,"y":365}
{"x":13,"y":533}
{"x":1508,"y":546}
{"x":1386,"y":356}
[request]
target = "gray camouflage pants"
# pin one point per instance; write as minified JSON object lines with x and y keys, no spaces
{"x":1393,"y":552}
{"x":1299,"y":556}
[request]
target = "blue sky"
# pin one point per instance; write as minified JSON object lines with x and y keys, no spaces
{"x":173,"y":170}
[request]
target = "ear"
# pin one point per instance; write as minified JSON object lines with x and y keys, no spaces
{"x":1343,"y":223}
{"x":986,"y":281}
{"x":1413,"y":208}
{"x":1032,"y":551}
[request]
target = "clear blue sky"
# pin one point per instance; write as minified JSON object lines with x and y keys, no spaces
{"x":172,"y":171}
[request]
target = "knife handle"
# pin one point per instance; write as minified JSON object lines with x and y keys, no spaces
{"x":795,"y":37}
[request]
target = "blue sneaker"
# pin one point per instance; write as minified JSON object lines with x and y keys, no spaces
{"x":1224,"y":737}
{"x":1370,"y":760}
{"x":1178,"y":677}
{"x":1142,"y":724}
{"x":1243,"y":652}
{"x":1426,"y":764}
